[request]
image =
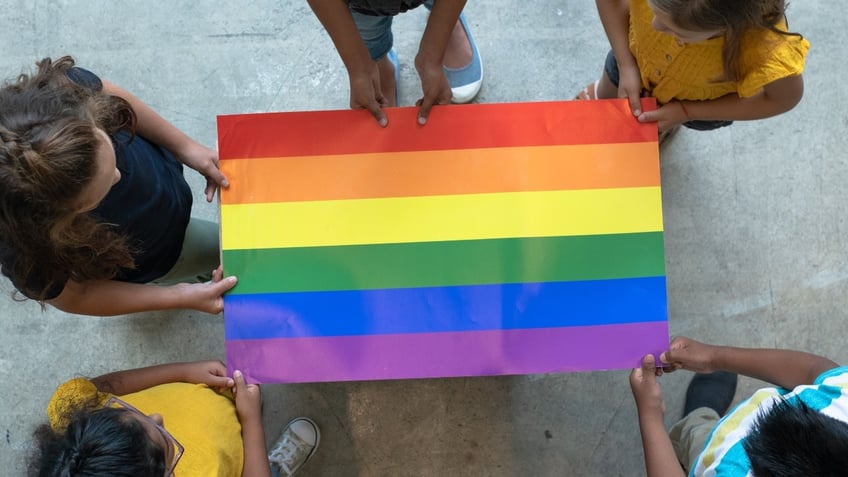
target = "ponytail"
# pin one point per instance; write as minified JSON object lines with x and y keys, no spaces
{"x":102,"y":443}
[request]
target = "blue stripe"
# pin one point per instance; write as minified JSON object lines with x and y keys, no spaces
{"x":445,"y":309}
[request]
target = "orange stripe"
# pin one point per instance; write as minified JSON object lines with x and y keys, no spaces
{"x":466,"y":126}
{"x":467,"y":171}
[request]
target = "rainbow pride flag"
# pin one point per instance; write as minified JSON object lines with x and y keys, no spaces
{"x":498,"y":239}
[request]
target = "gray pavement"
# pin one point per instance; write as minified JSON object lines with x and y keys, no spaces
{"x":754,"y":219}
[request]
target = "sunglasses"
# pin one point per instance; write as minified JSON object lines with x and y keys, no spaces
{"x":177,"y":448}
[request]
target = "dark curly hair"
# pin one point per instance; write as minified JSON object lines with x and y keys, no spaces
{"x":105,"y":442}
{"x":733,"y":17}
{"x":47,"y":159}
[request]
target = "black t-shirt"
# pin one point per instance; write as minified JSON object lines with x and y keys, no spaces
{"x":383,"y":8}
{"x":151,"y":205}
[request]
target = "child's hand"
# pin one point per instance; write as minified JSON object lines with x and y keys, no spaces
{"x":666,"y":116}
{"x":206,"y":297}
{"x":434,"y":85}
{"x":248,"y":398}
{"x":211,"y":373}
{"x":646,"y":390}
{"x":205,"y":161}
{"x":686,"y":353}
{"x":630,"y":87}
{"x":365,"y":93}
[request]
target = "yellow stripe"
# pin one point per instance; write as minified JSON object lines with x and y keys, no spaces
{"x":440,"y":218}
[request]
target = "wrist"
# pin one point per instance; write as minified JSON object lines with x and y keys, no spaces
{"x":718,"y":358}
{"x":650,"y":411}
{"x":429,"y":57}
{"x":249,"y":418}
{"x":685,"y":110}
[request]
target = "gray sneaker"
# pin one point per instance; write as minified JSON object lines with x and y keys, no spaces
{"x":298,"y":441}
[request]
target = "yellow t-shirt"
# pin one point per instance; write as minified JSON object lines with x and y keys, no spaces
{"x":687,"y":71}
{"x":203,"y":421}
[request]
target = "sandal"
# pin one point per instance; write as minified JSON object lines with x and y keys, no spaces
{"x":589,"y":92}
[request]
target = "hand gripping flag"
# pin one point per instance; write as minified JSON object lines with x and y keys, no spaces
{"x":497,"y":239}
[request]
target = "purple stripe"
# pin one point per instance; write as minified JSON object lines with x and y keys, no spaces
{"x":434,"y":355}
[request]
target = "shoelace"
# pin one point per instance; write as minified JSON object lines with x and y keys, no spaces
{"x":289,"y":452}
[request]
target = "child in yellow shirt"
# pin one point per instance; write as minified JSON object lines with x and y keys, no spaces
{"x":707,"y":62}
{"x":172,"y":419}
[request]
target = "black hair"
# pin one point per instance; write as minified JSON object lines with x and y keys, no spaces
{"x":792,"y":439}
{"x":101,"y":443}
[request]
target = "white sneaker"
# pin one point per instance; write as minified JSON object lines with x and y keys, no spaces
{"x":296,"y":445}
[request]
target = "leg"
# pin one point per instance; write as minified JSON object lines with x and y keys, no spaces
{"x":462,"y":63}
{"x":708,"y":397}
{"x":690,"y":434}
{"x":376,"y":33}
{"x":199,"y":256}
{"x":606,"y":86}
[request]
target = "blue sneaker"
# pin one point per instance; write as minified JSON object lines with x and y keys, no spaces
{"x":393,"y":57}
{"x":465,"y":82}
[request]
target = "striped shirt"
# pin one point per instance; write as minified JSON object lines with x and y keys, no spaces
{"x":724,"y":455}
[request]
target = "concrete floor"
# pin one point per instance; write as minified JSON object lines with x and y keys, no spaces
{"x":756,"y":234}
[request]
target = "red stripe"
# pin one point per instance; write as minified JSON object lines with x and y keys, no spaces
{"x":494,"y":125}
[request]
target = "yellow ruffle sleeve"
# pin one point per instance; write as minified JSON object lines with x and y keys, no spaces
{"x":775,"y":57}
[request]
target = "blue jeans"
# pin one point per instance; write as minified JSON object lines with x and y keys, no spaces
{"x":611,"y":69}
{"x":376,"y":32}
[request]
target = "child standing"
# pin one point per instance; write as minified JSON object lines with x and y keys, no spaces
{"x":708,"y":62}
{"x":448,"y":62}
{"x":799,"y":427}
{"x":93,"y":202}
{"x":172,"y":419}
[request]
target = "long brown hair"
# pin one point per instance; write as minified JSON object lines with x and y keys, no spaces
{"x":47,"y":159}
{"x":733,"y":17}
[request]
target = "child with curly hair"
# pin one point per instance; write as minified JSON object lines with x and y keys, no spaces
{"x":93,"y":202}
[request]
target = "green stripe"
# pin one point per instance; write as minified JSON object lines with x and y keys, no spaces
{"x":466,"y":262}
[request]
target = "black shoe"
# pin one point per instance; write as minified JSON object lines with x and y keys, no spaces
{"x":714,"y":390}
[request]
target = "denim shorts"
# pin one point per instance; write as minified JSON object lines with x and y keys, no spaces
{"x":611,"y":69}
{"x":376,"y":32}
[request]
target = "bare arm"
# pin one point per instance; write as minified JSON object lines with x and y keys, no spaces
{"x":775,"y":98}
{"x":249,"y":409}
{"x":660,"y":460}
{"x":431,"y":55}
{"x":111,"y":297}
{"x":362,"y":72}
{"x":785,"y":368}
{"x":211,"y":373}
{"x":155,"y":128}
{"x":615,"y":17}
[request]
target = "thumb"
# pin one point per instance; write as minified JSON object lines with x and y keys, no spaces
{"x":225,"y":285}
{"x":239,"y":382}
{"x":648,"y":363}
{"x":635,"y":103}
{"x":220,"y":382}
{"x":648,"y":117}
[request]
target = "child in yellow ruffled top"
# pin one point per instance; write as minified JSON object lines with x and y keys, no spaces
{"x":708,"y":62}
